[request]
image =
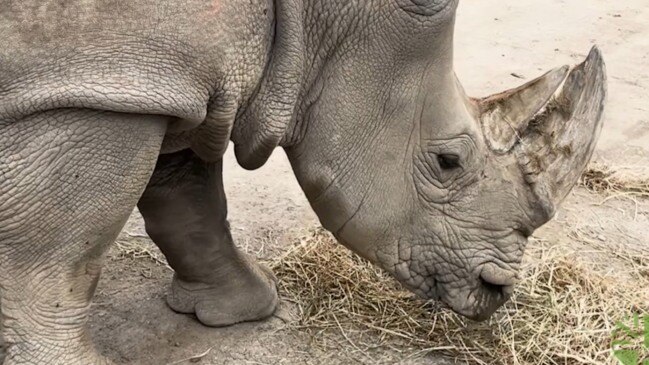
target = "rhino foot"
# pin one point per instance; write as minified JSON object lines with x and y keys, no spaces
{"x":185,"y":210}
{"x":248,"y":294}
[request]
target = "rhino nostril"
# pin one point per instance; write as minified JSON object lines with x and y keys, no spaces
{"x":496,"y":287}
{"x":491,"y":286}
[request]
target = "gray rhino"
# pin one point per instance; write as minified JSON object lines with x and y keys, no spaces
{"x":107,"y":104}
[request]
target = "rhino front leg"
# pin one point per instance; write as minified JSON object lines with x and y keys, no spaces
{"x":185,"y":212}
{"x":68,"y":181}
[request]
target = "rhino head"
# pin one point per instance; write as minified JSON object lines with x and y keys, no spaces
{"x":440,"y":189}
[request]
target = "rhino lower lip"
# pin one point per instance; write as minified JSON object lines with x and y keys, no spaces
{"x":481,"y":312}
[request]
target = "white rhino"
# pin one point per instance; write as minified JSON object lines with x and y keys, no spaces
{"x":109,"y":104}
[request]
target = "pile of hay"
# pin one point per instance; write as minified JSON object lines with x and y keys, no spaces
{"x":563,"y":311}
{"x":602,"y":179}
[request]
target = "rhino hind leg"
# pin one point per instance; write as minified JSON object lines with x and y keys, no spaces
{"x":68,"y":180}
{"x":185,"y":211}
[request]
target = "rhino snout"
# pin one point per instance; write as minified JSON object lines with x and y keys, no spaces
{"x":479,"y":299}
{"x":474,"y":295}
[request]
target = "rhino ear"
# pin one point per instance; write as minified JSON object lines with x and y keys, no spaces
{"x":559,"y":142}
{"x":505,"y":116}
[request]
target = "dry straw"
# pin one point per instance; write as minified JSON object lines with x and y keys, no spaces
{"x":602,"y":179}
{"x":563,"y":311}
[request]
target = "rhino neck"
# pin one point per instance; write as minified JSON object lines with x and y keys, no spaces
{"x":328,"y":31}
{"x":307,"y":34}
{"x":264,"y":121}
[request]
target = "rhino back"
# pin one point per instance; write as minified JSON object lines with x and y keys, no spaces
{"x":146,"y":56}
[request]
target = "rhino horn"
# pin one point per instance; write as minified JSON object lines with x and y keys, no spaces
{"x":551,"y":125}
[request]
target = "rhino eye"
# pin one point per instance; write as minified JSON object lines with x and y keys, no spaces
{"x":448,"y":161}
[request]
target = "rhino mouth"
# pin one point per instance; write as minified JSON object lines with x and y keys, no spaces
{"x":480,"y":303}
{"x":473,"y":291}
{"x":477,"y":301}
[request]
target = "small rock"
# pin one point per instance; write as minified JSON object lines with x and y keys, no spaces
{"x":601,"y":238}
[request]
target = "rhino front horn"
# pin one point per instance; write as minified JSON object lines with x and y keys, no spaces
{"x":551,"y":125}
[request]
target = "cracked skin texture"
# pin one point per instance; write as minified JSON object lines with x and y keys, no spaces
{"x":105,"y":105}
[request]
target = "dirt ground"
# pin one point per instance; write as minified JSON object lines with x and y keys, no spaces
{"x":499,"y":44}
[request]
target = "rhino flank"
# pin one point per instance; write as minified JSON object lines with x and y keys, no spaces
{"x":105,"y":105}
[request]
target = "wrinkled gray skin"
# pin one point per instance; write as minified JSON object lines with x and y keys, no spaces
{"x":107,"y":104}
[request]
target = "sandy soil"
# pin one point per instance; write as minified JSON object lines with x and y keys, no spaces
{"x":495,"y":39}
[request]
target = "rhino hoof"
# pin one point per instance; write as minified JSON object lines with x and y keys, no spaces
{"x":221,"y":304}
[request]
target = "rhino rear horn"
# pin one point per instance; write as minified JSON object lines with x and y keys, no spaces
{"x":555,"y":143}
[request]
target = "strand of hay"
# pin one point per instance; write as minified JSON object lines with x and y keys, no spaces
{"x":563,"y":312}
{"x":136,"y":247}
{"x":601,"y":179}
